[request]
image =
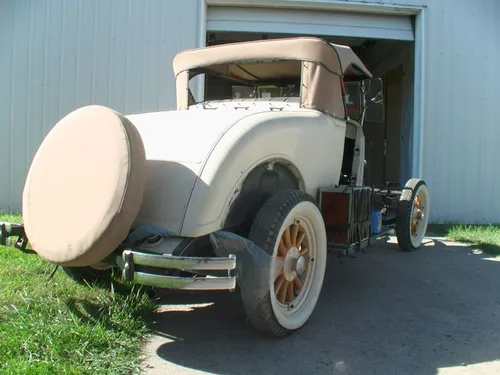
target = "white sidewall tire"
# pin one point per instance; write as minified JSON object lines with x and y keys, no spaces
{"x":424,"y":192}
{"x":312,"y":221}
{"x":413,"y":188}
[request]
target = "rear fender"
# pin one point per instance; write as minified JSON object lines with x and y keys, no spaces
{"x":308,"y":143}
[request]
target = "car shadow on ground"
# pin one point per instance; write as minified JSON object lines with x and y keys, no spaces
{"x":385,"y":312}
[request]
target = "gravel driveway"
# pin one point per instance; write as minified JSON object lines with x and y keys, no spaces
{"x":434,"y":311}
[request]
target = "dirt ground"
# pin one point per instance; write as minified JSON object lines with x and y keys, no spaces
{"x":434,"y":311}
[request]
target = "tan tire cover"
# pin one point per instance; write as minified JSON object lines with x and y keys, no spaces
{"x":84,"y":187}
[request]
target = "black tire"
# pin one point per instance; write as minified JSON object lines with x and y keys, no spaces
{"x":404,"y":213}
{"x":264,"y":233}
{"x":89,"y":275}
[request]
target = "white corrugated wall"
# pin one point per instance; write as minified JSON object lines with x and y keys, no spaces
{"x":123,"y":59}
{"x":59,"y":55}
{"x":462,"y":128}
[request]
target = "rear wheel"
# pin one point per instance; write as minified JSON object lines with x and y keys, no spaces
{"x":412,"y":215}
{"x":289,"y":226}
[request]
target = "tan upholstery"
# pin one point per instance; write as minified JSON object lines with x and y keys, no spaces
{"x":322,"y":90}
{"x":84,"y":187}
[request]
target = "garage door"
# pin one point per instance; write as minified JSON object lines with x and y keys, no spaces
{"x":309,"y":22}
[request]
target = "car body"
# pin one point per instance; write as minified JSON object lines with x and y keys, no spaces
{"x":221,"y":142}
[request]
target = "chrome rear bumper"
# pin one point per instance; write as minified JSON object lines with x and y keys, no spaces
{"x":131,"y":262}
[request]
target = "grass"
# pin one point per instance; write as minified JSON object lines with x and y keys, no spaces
{"x":62,"y":327}
{"x":483,"y":237}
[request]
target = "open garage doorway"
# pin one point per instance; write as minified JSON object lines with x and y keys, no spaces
{"x":388,"y":144}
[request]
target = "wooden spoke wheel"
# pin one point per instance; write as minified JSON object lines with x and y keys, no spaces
{"x":289,"y":226}
{"x":417,"y":215}
{"x":413,"y":215}
{"x":293,"y":250}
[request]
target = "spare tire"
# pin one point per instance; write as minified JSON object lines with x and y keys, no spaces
{"x":84,"y":187}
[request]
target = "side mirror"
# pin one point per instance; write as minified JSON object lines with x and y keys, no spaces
{"x":374,"y":99}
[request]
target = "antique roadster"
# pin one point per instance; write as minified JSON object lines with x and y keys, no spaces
{"x":248,"y":187}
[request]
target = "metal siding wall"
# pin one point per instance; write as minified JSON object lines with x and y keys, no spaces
{"x":60,"y":55}
{"x":461,"y":135}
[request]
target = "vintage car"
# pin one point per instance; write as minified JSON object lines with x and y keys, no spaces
{"x":247,"y":188}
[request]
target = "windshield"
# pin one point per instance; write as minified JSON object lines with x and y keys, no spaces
{"x":217,"y":88}
{"x":264,"y":91}
{"x":256,"y":80}
{"x":353,"y":99}
{"x":365,"y":96}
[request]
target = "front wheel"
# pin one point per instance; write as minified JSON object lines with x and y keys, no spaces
{"x":412,"y":215}
{"x":289,"y":226}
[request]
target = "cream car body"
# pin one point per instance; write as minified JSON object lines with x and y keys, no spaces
{"x":196,"y":170}
{"x":201,"y":155}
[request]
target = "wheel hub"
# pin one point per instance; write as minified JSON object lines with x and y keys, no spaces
{"x":290,"y":264}
{"x":300,"y":268}
{"x":293,"y":251}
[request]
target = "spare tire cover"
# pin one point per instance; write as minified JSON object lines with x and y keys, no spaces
{"x":84,"y":187}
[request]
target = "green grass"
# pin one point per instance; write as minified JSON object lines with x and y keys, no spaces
{"x":61,"y":327}
{"x":10,"y":218}
{"x":483,"y":237}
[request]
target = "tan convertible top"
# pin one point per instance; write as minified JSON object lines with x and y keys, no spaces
{"x":336,"y":58}
{"x":320,"y":64}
